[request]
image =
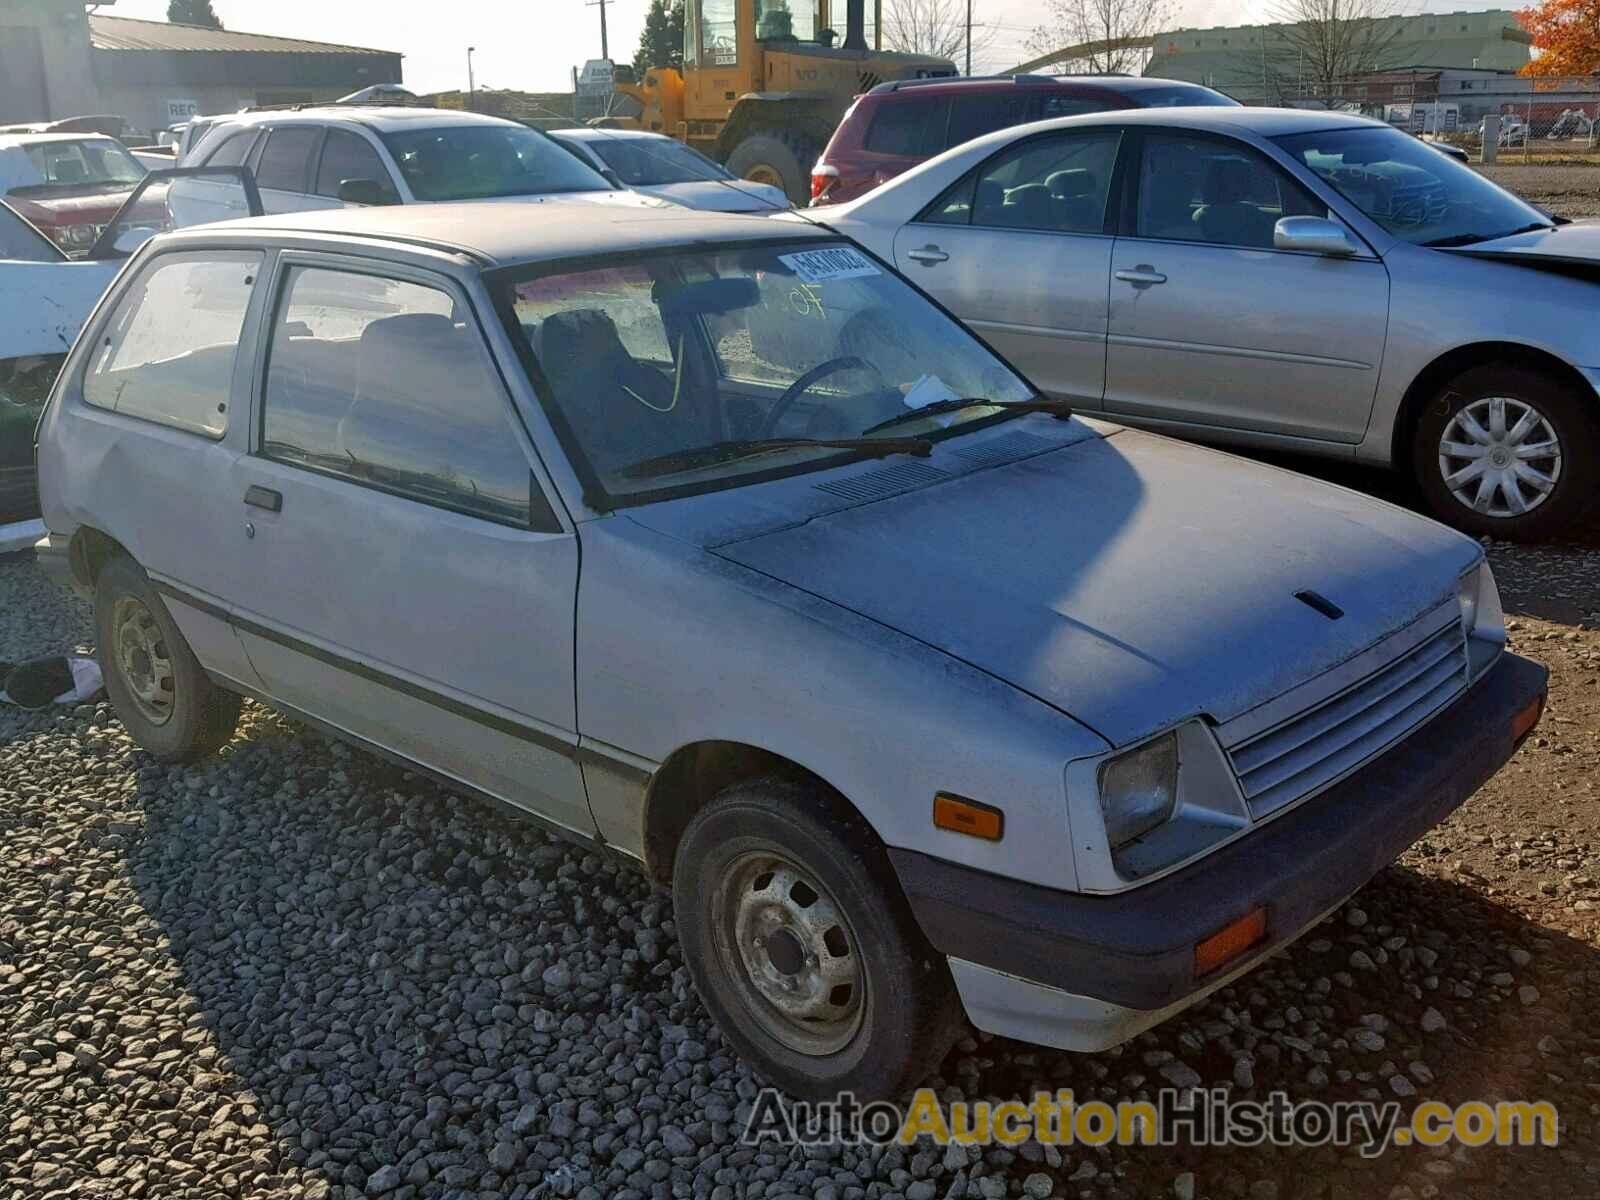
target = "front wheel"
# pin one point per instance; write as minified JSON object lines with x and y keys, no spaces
{"x":782,"y":159}
{"x":1507,"y":452}
{"x":813,"y":968}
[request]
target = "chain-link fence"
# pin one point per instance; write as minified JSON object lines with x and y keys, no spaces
{"x":1549,"y":119}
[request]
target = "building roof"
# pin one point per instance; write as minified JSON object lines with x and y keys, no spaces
{"x":129,"y":33}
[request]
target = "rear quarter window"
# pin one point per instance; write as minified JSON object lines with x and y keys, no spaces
{"x":167,"y":353}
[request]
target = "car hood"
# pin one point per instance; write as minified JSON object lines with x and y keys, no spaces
{"x":713,"y":195}
{"x":621,"y":199}
{"x":1577,"y":244}
{"x":1130,"y":580}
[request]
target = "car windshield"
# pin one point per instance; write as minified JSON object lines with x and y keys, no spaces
{"x":641,"y":162}
{"x":480,"y":162}
{"x":694,"y":353}
{"x":92,"y":162}
{"x":1410,"y":189}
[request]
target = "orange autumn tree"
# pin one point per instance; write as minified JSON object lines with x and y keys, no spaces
{"x":1567,"y":35}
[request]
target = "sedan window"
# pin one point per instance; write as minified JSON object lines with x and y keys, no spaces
{"x":1410,"y":189}
{"x":234,"y":150}
{"x":1196,"y":189}
{"x":1054,"y":184}
{"x":695,"y":353}
{"x":346,"y":156}
{"x":92,"y":161}
{"x":286,"y":161}
{"x":383,"y":382}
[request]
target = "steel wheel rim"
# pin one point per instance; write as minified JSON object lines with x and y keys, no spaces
{"x":1500,"y":457}
{"x":139,"y":652}
{"x":791,"y":952}
{"x":764,"y":173}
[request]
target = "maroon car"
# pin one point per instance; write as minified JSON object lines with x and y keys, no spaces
{"x":67,"y":184}
{"x":897,"y":125}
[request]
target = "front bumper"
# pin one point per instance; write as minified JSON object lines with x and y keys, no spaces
{"x":1086,"y":971}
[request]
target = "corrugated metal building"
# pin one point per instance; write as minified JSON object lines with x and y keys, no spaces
{"x":1254,"y":63}
{"x":57,"y":61}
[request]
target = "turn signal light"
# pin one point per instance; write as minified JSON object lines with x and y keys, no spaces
{"x":1522,"y":724}
{"x":960,"y":815}
{"x":1229,"y":942}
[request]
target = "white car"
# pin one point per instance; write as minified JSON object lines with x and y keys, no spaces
{"x":341,"y":156}
{"x":664,"y":167}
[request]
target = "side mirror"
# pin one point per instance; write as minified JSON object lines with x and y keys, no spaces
{"x":1313,"y":235}
{"x":365,"y":191}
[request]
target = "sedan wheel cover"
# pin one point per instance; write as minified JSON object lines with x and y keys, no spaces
{"x":139,"y":652}
{"x":789,"y":947}
{"x":1500,"y":457}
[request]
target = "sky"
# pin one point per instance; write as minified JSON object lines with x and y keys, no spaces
{"x":532,"y":45}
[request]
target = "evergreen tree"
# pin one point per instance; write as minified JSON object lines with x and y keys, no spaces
{"x":661,"y":42}
{"x":192,"y":12}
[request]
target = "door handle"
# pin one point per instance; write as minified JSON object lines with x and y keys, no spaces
{"x":260,"y":497}
{"x":1144,"y":274}
{"x":928,"y":255}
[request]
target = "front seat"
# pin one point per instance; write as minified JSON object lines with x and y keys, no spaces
{"x":406,"y":365}
{"x":621,"y":409}
{"x":1073,"y":194}
{"x":1227,"y":216}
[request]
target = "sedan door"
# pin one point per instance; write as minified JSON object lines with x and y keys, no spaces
{"x":1019,"y":250}
{"x":285,"y":165}
{"x":1211,"y":326}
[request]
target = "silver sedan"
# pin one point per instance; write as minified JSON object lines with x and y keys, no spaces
{"x":1275,"y":278}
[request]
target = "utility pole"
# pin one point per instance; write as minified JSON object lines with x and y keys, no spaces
{"x":969,"y":37}
{"x":605,"y":46}
{"x":472,"y":85}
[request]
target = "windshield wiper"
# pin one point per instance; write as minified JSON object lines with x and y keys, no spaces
{"x":732,"y":451}
{"x":1059,"y":408}
{"x":1468,"y":239}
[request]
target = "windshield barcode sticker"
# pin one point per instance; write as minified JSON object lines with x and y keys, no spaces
{"x":824,"y":266}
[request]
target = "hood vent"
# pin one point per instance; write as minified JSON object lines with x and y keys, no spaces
{"x":890,"y":481}
{"x":1005,"y":449}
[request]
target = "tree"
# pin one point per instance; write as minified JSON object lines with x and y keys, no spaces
{"x":1317,"y":49}
{"x":937,"y":28}
{"x":1105,"y":37}
{"x":661,"y":40}
{"x":1567,"y":35}
{"x":193,"y":12}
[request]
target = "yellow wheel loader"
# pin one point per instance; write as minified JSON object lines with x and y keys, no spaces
{"x":765,"y":82}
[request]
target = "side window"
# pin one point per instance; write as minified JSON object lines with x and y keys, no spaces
{"x":286,"y":161}
{"x":719,"y":33}
{"x":1064,"y":104}
{"x":908,"y":128}
{"x":233,"y":150}
{"x":1055,"y":184}
{"x":167,"y":353}
{"x":383,"y":382}
{"x":347,"y":156}
{"x":974,"y":116}
{"x":1205,"y":190}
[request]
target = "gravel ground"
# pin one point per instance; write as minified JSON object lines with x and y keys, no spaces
{"x":296,"y":971}
{"x":1571,"y":191}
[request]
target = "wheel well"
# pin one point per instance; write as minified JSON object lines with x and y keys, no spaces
{"x":90,"y":551}
{"x":1447,"y":366}
{"x":692,"y":777}
{"x":753,"y":115}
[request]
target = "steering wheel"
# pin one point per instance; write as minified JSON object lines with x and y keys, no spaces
{"x":809,"y":380}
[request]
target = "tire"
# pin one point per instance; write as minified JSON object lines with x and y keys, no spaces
{"x":778,"y":873}
{"x":1551,"y":494}
{"x":166,"y":701}
{"x":781,"y":157}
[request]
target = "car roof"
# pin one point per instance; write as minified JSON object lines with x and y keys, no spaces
{"x":1121,"y":85}
{"x":1262,"y":122}
{"x":385,"y":118}
{"x":597,"y":135}
{"x":502,"y":234}
{"x":10,"y":140}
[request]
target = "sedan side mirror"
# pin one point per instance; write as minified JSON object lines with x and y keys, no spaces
{"x":1313,"y":235}
{"x":365,"y":191}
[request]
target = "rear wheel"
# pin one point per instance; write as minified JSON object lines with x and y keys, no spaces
{"x":781,"y":158}
{"x":1507,"y":452}
{"x":814,"y":970}
{"x":167,"y":702}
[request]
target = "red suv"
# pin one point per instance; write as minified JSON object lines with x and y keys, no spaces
{"x":897,"y":125}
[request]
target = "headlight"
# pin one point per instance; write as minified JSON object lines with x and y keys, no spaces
{"x":78,"y":235}
{"x":1139,"y":789}
{"x":1481,"y":617}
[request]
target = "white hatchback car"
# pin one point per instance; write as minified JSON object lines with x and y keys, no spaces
{"x":340,"y":156}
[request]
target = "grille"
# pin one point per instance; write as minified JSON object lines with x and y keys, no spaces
{"x":1309,"y":751}
{"x":890,"y":481}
